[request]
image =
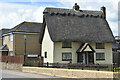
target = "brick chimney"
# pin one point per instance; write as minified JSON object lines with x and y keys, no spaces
{"x":76,"y":7}
{"x":103,"y":10}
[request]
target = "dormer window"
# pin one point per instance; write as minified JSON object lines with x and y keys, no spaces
{"x":66,"y":45}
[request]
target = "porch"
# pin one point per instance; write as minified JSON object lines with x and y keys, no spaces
{"x":4,"y":50}
{"x":85,"y":54}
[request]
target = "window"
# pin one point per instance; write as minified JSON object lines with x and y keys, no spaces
{"x":66,"y":56}
{"x":66,"y":44}
{"x":45,"y":54}
{"x":11,"y":53}
{"x":100,"y":56}
{"x":11,"y":37}
{"x":99,"y":45}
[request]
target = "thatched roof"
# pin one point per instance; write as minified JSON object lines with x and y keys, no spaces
{"x":67,"y":25}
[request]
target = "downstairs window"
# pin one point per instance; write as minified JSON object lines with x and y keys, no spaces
{"x":66,"y":56}
{"x":100,"y":56}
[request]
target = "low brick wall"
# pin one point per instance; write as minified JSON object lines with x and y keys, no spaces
{"x":69,"y":73}
{"x":116,"y":75}
{"x":12,"y":66}
{"x":13,"y":59}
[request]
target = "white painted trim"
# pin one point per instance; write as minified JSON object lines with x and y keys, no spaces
{"x":32,"y":55}
{"x":3,"y":50}
{"x":18,"y":33}
{"x":26,"y":33}
{"x":118,"y":50}
{"x":6,"y":34}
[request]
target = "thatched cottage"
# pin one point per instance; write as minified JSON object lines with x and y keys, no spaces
{"x":80,"y":36}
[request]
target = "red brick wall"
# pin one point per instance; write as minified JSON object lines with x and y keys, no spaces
{"x":13,"y":59}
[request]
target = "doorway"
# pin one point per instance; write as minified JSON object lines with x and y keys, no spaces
{"x":86,"y":57}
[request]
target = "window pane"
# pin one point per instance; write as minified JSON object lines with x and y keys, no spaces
{"x":66,"y":44}
{"x":11,"y":37}
{"x":99,"y":45}
{"x":45,"y":54}
{"x":11,"y":53}
{"x":100,"y":56}
{"x":66,"y":56}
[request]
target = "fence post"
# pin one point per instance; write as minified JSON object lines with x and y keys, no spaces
{"x":113,"y":67}
{"x":97,"y":67}
{"x":68,"y":65}
{"x":47,"y":64}
{"x":82,"y":66}
{"x":57,"y":65}
{"x":38,"y":63}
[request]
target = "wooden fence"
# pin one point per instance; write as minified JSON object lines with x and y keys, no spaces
{"x":13,"y":59}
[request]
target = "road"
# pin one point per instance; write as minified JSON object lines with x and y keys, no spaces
{"x":17,"y":74}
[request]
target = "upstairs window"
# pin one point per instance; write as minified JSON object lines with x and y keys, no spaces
{"x":11,"y":37}
{"x":66,"y":45}
{"x":100,"y":46}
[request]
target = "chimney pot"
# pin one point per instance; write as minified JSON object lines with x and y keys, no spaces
{"x":76,"y":7}
{"x":103,"y":10}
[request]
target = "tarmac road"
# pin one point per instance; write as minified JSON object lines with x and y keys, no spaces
{"x":17,"y":74}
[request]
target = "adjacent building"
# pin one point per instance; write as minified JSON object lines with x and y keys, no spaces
{"x":119,"y":28}
{"x":22,"y":39}
{"x":77,"y":36}
{"x":3,"y":48}
{"x":2,"y":31}
{"x":116,"y":50}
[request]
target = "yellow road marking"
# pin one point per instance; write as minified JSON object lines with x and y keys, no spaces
{"x":48,"y":74}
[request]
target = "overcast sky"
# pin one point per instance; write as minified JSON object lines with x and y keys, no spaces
{"x":13,"y":12}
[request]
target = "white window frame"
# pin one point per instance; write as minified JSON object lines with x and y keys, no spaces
{"x":11,"y":37}
{"x":11,"y":53}
{"x":103,"y":56}
{"x":67,"y":53}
